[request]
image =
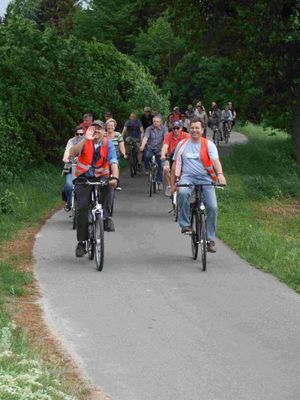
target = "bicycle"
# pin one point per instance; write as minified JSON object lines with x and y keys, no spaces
{"x":153,"y":175}
{"x":95,"y":242}
{"x":198,"y":221}
{"x":132,"y":156}
{"x":216,"y":135}
{"x":226,"y":130}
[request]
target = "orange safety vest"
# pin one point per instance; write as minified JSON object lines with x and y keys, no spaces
{"x":85,"y":159}
{"x":204,"y":157}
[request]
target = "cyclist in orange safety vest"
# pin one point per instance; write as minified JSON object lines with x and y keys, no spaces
{"x":97,"y":159}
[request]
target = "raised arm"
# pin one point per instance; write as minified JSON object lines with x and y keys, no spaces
{"x":89,"y":135}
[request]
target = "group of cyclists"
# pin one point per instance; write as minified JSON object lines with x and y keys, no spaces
{"x":183,"y":155}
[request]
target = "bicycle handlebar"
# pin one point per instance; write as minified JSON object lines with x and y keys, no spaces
{"x":190,"y":185}
{"x":84,"y":181}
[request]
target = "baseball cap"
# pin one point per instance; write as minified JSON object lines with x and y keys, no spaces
{"x":98,"y":122}
{"x":177,"y":124}
{"x":147,"y":108}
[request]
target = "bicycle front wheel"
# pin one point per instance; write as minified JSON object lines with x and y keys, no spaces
{"x":203,"y":241}
{"x":226,"y":134}
{"x":194,"y":236}
{"x":74,"y":214}
{"x":131,"y":163}
{"x":99,"y":242}
{"x":150,"y":183}
{"x":175,"y":206}
{"x":217,"y":138}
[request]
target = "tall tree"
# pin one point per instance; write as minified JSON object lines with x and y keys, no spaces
{"x":117,"y":21}
{"x":159,"y":49}
{"x":262,"y":39}
{"x":59,"y":14}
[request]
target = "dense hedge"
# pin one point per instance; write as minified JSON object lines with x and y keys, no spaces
{"x":49,"y":81}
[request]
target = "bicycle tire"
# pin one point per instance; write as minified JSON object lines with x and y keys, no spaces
{"x":194,"y":238}
{"x":131,"y":161}
{"x":176,"y":212}
{"x":90,"y":249}
{"x":150,"y":183}
{"x":226,"y":133}
{"x":99,"y":242}
{"x":74,"y":215}
{"x":203,"y":241}
{"x":154,"y":186}
{"x":217,"y":138}
{"x":135,"y":164}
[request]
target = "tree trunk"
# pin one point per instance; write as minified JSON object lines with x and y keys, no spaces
{"x":296,"y":130}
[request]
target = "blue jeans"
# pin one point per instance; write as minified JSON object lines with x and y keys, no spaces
{"x":68,"y":188}
{"x":210,"y":201}
{"x":148,"y":156}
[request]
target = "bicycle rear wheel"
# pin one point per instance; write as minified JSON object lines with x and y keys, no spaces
{"x":194,"y":236}
{"x":203,"y":241}
{"x":99,"y":242}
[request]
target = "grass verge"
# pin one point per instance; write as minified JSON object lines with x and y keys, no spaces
{"x":260,"y":209}
{"x":30,"y":367}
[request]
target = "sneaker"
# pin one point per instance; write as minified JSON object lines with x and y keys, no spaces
{"x":168,"y":192}
{"x":211,"y":247}
{"x":109,"y":225}
{"x":140,"y":168}
{"x":80,"y":249}
{"x":158,"y":186}
{"x":187,"y":230}
{"x":67,"y":208}
{"x":147,"y":173}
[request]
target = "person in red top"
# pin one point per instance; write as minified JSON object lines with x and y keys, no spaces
{"x":87,"y":121}
{"x":171,"y":140}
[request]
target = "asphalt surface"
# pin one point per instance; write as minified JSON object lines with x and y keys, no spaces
{"x":153,"y":325}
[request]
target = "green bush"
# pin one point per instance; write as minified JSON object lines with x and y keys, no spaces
{"x":49,"y":81}
{"x":14,"y":154}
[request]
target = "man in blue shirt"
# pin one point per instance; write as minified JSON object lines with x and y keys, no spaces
{"x":190,"y":166}
{"x":154,"y":137}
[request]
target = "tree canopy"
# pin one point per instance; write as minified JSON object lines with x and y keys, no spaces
{"x":49,"y":81}
{"x":243,"y":51}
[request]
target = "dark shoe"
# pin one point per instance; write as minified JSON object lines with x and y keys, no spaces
{"x":67,"y":208}
{"x":139,"y":168}
{"x":187,"y":230}
{"x":109,"y":225}
{"x":211,"y":247}
{"x":80,"y":249}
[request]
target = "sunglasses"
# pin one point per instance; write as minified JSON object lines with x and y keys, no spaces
{"x":176,"y":128}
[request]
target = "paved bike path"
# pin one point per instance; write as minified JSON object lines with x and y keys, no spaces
{"x":152,"y":325}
